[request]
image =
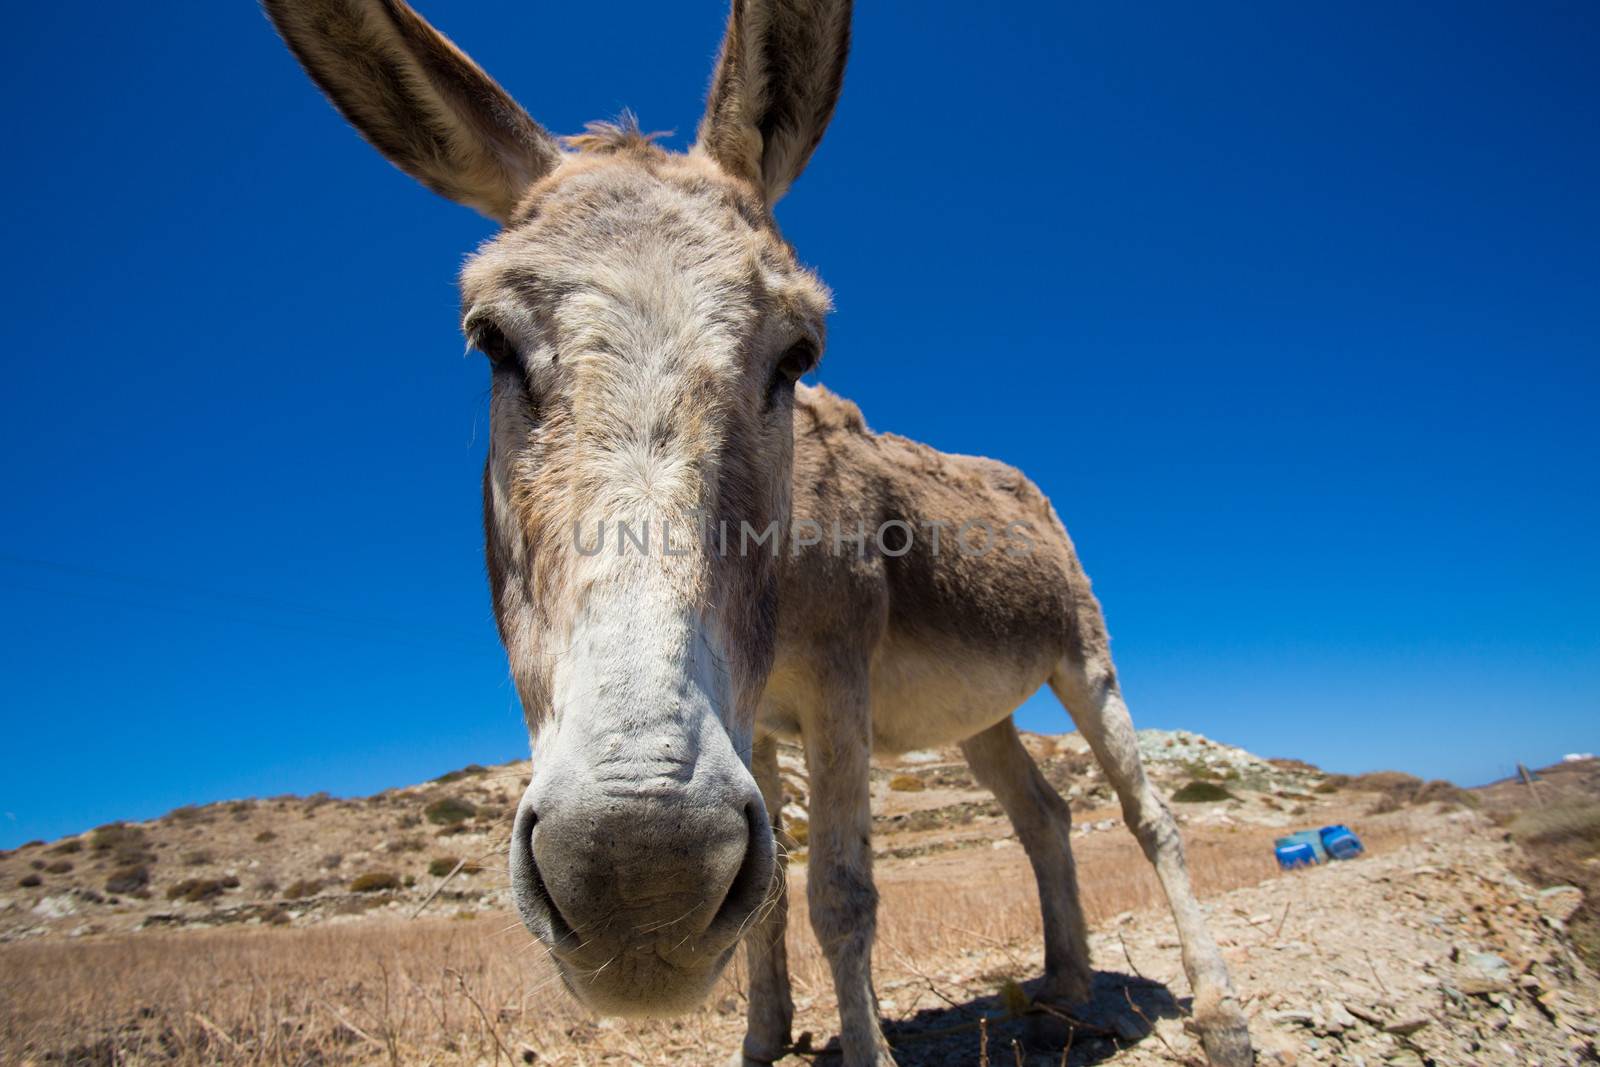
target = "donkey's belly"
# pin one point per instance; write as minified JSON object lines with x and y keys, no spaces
{"x":929,"y":694}
{"x":923,"y":694}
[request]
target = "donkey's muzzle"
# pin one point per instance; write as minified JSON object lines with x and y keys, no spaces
{"x":641,"y":884}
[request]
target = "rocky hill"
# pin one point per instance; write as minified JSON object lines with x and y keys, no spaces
{"x":330,"y":928}
{"x":301,"y":860}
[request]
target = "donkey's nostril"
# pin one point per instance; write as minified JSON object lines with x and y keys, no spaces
{"x":534,"y":902}
{"x":561,"y":930}
{"x":753,"y":880}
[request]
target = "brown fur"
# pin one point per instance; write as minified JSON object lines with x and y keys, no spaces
{"x":418,"y":99}
{"x":777,"y":81}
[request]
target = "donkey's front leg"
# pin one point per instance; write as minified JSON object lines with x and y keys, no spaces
{"x":844,"y":902}
{"x":771,"y":1007}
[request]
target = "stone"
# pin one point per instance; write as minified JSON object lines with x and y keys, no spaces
{"x":1408,"y":1025}
{"x":1336,"y":1019}
{"x":1488,"y":965}
{"x":1560,"y":902}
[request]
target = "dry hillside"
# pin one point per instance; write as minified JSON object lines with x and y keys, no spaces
{"x":287,"y":930}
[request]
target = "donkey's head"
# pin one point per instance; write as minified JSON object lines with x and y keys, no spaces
{"x":644,"y":323}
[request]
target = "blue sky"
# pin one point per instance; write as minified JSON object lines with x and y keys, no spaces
{"x":1293,"y":310}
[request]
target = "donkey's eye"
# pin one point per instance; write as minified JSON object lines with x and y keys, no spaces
{"x":796,"y":361}
{"x":492,"y":342}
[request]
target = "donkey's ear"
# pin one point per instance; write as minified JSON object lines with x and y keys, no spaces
{"x":418,"y":99}
{"x":777,"y":80}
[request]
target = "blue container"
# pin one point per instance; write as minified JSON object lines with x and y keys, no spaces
{"x":1292,"y":854}
{"x":1340,"y":843}
{"x":1309,"y":837}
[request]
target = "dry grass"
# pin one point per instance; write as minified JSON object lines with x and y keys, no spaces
{"x":447,"y":991}
{"x":1562,"y":843}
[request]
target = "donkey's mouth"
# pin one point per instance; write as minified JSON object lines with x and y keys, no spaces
{"x":643,"y":984}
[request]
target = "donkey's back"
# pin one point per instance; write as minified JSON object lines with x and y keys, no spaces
{"x":952,"y":572}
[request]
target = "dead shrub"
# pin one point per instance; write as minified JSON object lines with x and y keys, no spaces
{"x":1397,"y":790}
{"x":375,"y":882}
{"x":116,"y":836}
{"x":1299,"y":766}
{"x":28,"y":881}
{"x":1577,"y":824}
{"x":442,"y":865}
{"x":907,"y":783}
{"x":332,"y":861}
{"x":198,"y":858}
{"x":471,"y":770}
{"x":265,"y":836}
{"x":1195,"y":792}
{"x":129,"y":879}
{"x":1562,"y":843}
{"x":1384,"y":781}
{"x":449,"y":811}
{"x":302,"y":888}
{"x":67,"y":847}
{"x":59,"y":867}
{"x":197,"y":890}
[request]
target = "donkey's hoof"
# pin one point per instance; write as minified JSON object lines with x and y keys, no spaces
{"x":1225,"y":1036}
{"x":879,"y":1056}
{"x":761,"y":1054}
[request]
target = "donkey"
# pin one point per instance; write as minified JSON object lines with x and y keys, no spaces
{"x":645,"y":325}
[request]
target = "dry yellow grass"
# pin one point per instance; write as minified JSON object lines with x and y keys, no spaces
{"x":447,"y":991}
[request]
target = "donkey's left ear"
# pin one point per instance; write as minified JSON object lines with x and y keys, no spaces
{"x":776,"y":83}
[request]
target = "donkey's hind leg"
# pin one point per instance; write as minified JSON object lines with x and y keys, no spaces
{"x":1087,"y":685}
{"x":771,"y":1011}
{"x":1044,"y":825}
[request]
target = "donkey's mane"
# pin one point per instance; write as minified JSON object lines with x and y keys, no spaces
{"x":614,"y":138}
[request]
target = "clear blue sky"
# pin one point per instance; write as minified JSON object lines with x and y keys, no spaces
{"x":1294,"y":310}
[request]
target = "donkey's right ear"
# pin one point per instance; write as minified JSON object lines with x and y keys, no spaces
{"x":418,"y":99}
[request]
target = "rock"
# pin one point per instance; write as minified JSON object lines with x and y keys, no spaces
{"x":1174,"y":1035}
{"x":1296,"y":1018}
{"x":56,"y":907}
{"x":1489,"y":965}
{"x":1335,"y":1019}
{"x":1559,"y":902}
{"x":1484,"y":974}
{"x":1364,"y":1013}
{"x":1408,"y":1025}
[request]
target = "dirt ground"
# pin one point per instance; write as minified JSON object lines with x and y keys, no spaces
{"x":1436,"y":947}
